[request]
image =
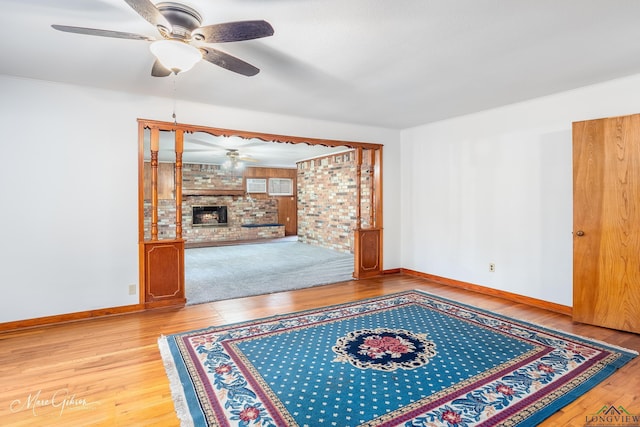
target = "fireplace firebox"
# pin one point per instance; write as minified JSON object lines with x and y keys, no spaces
{"x":209,"y":216}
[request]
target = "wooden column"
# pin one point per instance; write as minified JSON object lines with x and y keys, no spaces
{"x":377,"y":179}
{"x":162,"y":266}
{"x":366,"y":241}
{"x":358,"y":187}
{"x":178,"y":181}
{"x":155,"y":143}
{"x":372,"y":199}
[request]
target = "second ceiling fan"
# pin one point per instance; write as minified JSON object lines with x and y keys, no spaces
{"x":235,"y":161}
{"x":184,"y":38}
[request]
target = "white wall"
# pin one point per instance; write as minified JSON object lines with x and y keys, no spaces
{"x":68,"y":185}
{"x":490,"y":187}
{"x":496,"y":186}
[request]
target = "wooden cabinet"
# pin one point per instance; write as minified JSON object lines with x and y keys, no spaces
{"x":367,"y":246}
{"x":606,"y":216}
{"x":163,"y":273}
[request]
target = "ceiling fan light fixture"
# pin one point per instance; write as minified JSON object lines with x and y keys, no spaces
{"x":233,"y":164}
{"x":175,"y":55}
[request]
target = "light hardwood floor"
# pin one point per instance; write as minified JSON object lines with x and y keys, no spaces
{"x":108,"y":371}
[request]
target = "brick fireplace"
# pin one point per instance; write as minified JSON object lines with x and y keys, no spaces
{"x":208,"y":216}
{"x":215,"y":208}
{"x":326,"y":195}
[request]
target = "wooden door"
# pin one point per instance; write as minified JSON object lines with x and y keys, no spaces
{"x":288,"y":214}
{"x":606,"y":215}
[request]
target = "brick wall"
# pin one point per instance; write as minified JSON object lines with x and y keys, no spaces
{"x":241,"y":209}
{"x":209,"y":177}
{"x":326,"y":204}
{"x":327,"y":201}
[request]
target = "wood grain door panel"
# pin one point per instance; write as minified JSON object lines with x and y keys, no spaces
{"x":606,"y":156}
{"x":288,"y":214}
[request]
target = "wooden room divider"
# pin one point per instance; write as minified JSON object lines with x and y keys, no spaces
{"x":161,"y":258}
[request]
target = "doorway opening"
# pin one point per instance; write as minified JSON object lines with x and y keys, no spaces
{"x":167,"y":213}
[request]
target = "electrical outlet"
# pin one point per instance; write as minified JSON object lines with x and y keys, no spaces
{"x":492,"y":267}
{"x":132,"y":289}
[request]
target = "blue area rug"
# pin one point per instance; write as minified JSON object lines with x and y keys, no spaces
{"x":407,"y":359}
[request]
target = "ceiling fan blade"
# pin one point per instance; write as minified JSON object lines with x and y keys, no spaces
{"x":229,"y":62}
{"x":101,"y":33}
{"x":150,"y":12}
{"x":158,"y":70}
{"x":195,"y":141}
{"x":248,"y":159}
{"x":210,"y":149}
{"x":234,"y":31}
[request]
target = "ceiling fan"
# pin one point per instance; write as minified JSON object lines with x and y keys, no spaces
{"x":235,"y":161}
{"x":184,"y":40}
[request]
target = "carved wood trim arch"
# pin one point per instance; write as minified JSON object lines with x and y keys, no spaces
{"x":267,"y":137}
{"x":156,"y":291}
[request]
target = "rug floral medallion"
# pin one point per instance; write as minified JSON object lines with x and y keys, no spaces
{"x":384,"y":349}
{"x":408,"y":359}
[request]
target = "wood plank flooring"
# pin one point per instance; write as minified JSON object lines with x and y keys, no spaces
{"x":108,"y":371}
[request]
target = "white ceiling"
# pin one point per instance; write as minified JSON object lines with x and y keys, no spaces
{"x":394,"y":64}
{"x":204,"y":148}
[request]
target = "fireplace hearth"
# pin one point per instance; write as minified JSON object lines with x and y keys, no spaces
{"x":209,"y":216}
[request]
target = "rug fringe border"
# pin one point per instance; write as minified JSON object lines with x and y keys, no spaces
{"x":177,"y":391}
{"x":537,"y":325}
{"x":174,"y":369}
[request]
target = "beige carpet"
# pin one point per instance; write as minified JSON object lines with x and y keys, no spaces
{"x":225,"y":272}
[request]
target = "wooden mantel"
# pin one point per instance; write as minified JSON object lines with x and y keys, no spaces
{"x":214,"y":192}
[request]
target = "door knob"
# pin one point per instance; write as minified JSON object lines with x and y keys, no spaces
{"x":579,"y":233}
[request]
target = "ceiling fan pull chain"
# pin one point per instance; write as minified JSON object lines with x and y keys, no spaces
{"x":175,"y":120}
